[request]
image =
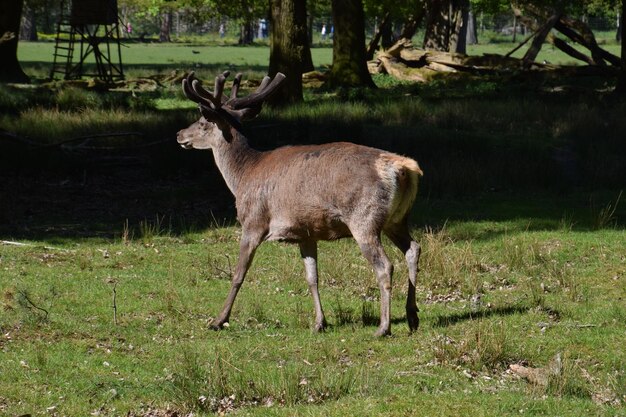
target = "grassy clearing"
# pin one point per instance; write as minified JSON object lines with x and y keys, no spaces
{"x":520,"y":216}
{"x":207,"y":57}
{"x":518,"y":297}
{"x":140,"y":59}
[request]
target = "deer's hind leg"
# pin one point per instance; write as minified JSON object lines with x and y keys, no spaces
{"x":373,"y":251}
{"x":400,"y":236}
{"x":308,"y":251}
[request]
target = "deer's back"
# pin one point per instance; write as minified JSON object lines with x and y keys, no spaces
{"x":318,"y":191}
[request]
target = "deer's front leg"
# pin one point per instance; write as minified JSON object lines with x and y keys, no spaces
{"x":247,"y":246}
{"x":308,"y":251}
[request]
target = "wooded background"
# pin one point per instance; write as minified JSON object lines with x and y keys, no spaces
{"x":444,"y":26}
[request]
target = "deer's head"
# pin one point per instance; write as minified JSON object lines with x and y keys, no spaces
{"x":221,"y":114}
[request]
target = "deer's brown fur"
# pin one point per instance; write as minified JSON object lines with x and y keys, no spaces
{"x":303,"y":194}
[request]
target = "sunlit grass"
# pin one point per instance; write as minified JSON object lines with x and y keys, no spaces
{"x":47,"y":126}
{"x":141,"y":59}
{"x":160,"y":353}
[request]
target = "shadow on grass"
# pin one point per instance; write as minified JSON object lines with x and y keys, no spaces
{"x":440,"y":321}
{"x":449,"y":320}
{"x":51,"y":193}
{"x":56,"y":193}
{"x":203,"y":70}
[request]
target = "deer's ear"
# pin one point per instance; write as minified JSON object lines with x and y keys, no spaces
{"x":208,"y":113}
{"x":218,"y":119}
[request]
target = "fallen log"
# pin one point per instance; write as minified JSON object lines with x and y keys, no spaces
{"x":571,"y":51}
{"x":540,"y":37}
{"x":575,"y":30}
{"x":404,"y":62}
{"x":407,"y":63}
{"x":398,"y":70}
{"x":578,"y":32}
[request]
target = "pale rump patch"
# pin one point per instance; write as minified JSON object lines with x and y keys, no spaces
{"x":399,"y":162}
{"x":400,"y":175}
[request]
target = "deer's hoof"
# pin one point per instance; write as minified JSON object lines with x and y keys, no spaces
{"x":216,"y":325}
{"x":320,"y":327}
{"x":414,"y":322}
{"x":382,"y":332}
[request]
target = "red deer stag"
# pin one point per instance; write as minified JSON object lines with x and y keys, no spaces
{"x":302,"y":194}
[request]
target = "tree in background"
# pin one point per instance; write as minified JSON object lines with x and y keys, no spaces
{"x":315,"y":10}
{"x":446,"y":25}
{"x":28,"y":28}
{"x":10,"y":17}
{"x":245,"y":11}
{"x":621,"y":84}
{"x":161,"y":10}
{"x":416,"y":11}
{"x":437,"y":34}
{"x":459,"y":20}
{"x":166,"y":26}
{"x":289,"y":48}
{"x":409,"y":13}
{"x":349,"y":67}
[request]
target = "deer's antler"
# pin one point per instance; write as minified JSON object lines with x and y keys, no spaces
{"x":215,"y":106}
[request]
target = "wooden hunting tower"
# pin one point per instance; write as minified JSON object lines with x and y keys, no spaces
{"x":85,"y":28}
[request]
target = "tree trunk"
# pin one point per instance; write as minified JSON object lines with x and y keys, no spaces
{"x":303,"y":41}
{"x":472,"y":35}
{"x":410,"y":27}
{"x":373,"y":45}
{"x":310,"y":20}
{"x":10,"y":69}
{"x":166,"y":27}
{"x":28,"y":30}
{"x":437,"y":36}
{"x":540,"y":37}
{"x":49,"y":17}
{"x":288,"y":43}
{"x":246,"y":36}
{"x":459,"y":17}
{"x":621,"y":83}
{"x":349,"y":64}
{"x":413,"y":22}
{"x":623,"y":48}
{"x":386,"y":35}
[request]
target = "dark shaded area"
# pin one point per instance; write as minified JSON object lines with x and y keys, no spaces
{"x":449,"y":320}
{"x":95,"y":193}
{"x":58,"y":192}
{"x":10,"y":69}
{"x":201,"y":69}
{"x":48,"y":193}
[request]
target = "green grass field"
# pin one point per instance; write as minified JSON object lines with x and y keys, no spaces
{"x":116,"y":255}
{"x":142,"y":58}
{"x":543,"y":294}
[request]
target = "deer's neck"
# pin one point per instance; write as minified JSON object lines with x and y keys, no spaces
{"x":233,"y":158}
